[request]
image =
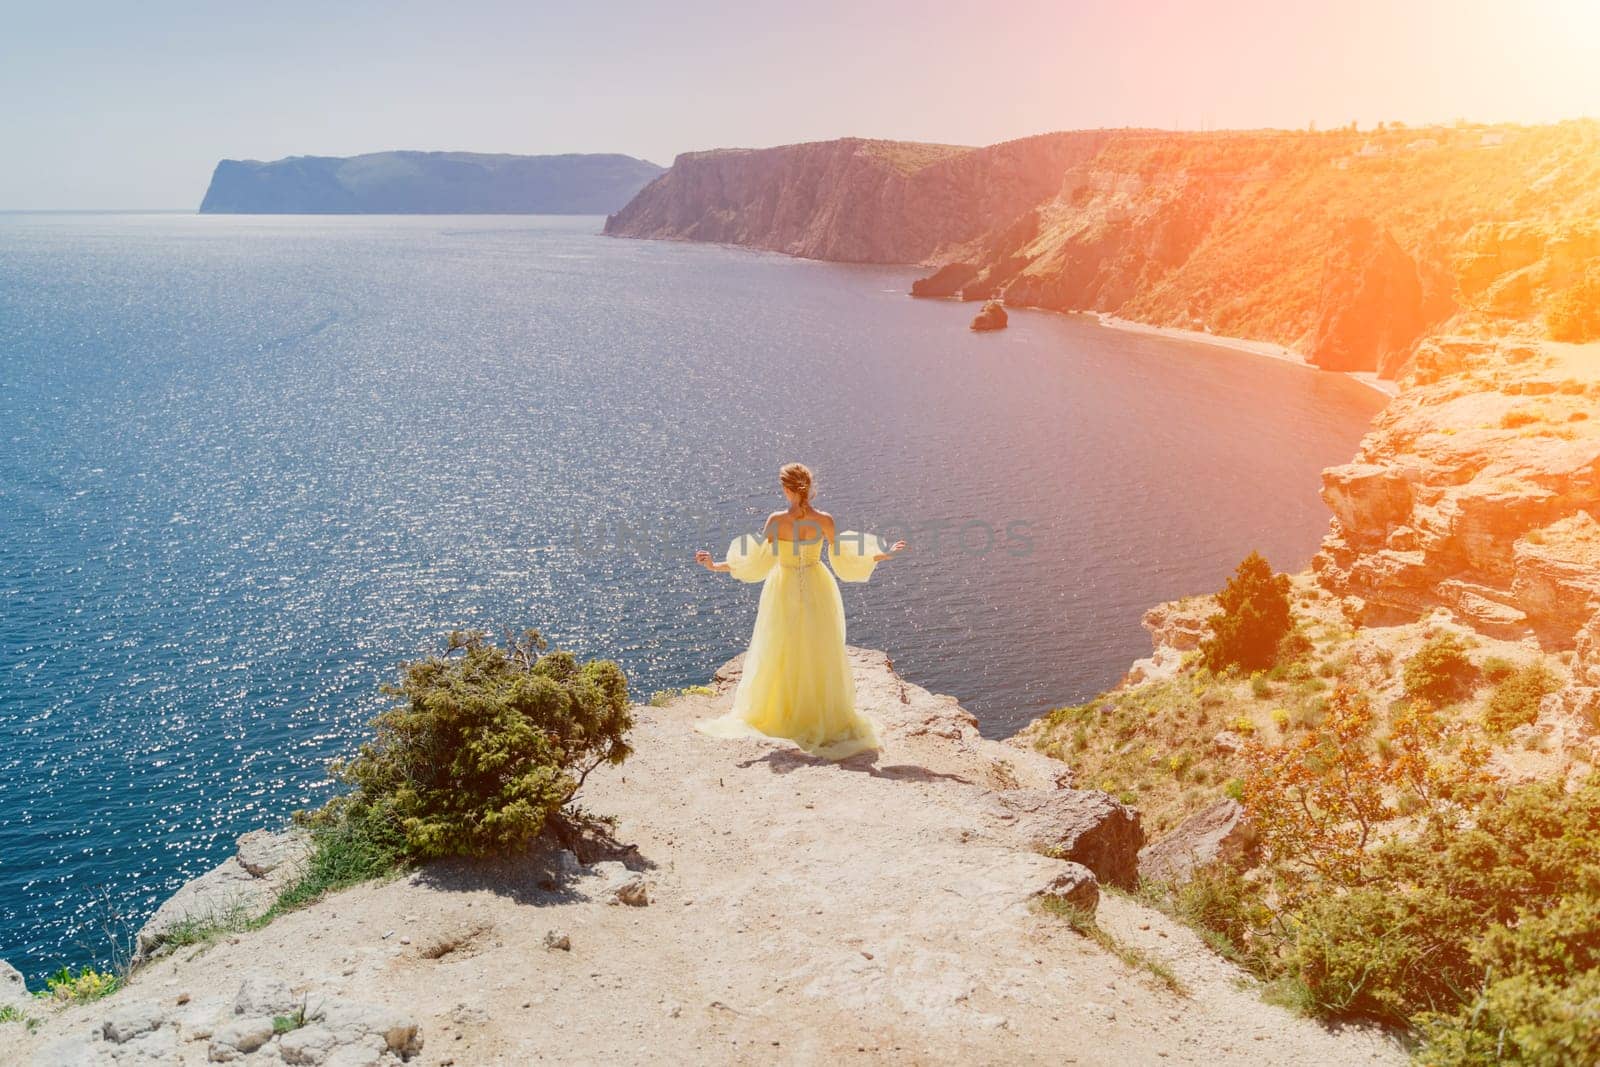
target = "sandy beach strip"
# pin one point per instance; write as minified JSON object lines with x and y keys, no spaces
{"x":1240,"y":344}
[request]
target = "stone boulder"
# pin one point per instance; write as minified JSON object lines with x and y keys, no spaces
{"x":992,"y":317}
{"x":13,"y":988}
{"x":1218,"y":833}
{"x":1075,"y":886}
{"x":1082,"y":825}
{"x":242,"y":887}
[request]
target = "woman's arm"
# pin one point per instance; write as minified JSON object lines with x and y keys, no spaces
{"x":706,"y":560}
{"x":894,"y":549}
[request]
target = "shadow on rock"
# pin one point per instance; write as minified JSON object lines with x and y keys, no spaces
{"x":572,"y":861}
{"x":789,"y":760}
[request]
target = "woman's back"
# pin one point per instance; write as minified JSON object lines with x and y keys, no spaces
{"x":807,"y":526}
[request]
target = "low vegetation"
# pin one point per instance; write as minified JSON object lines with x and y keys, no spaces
{"x":1480,"y":933}
{"x":1517,"y":697}
{"x":1083,"y":922}
{"x":1401,"y":882}
{"x":10,"y":1013}
{"x":81,"y":985}
{"x":1441,"y":671}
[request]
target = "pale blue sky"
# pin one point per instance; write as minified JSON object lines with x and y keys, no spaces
{"x":130,"y":105}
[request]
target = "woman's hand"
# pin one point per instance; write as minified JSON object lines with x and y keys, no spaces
{"x":894,"y":549}
{"x":706,"y":560}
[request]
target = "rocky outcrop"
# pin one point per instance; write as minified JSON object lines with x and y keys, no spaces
{"x":1476,"y":491}
{"x":1075,"y":886}
{"x":435,"y":183}
{"x":13,"y":988}
{"x":241,"y":888}
{"x":947,"y":281}
{"x":1176,"y":629}
{"x":1218,"y":833}
{"x":992,"y":317}
{"x":1083,"y":826}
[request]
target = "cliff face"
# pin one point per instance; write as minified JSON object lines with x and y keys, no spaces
{"x":1476,"y":490}
{"x":851,"y":200}
{"x":428,"y":183}
{"x":1347,"y":246}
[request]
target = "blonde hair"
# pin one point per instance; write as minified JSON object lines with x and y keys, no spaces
{"x":796,"y":477}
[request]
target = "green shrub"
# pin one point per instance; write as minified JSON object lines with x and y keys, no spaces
{"x":1482,"y":937}
{"x":350,"y":843}
{"x":1227,"y":909}
{"x":10,"y":1013}
{"x":1254,"y":620}
{"x":1516,"y":699}
{"x":488,"y":741}
{"x":1440,"y":671}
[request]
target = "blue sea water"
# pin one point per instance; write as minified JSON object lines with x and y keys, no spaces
{"x":249,"y":464}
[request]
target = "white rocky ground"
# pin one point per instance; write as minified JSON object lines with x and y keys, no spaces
{"x":878,"y":910}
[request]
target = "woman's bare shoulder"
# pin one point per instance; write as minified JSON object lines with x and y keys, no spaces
{"x":822,"y":517}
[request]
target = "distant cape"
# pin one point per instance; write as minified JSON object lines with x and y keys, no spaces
{"x":428,"y":183}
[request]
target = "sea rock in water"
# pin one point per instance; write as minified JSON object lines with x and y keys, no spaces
{"x":992,"y":317}
{"x":1082,"y":825}
{"x":1075,"y":886}
{"x":1220,"y":832}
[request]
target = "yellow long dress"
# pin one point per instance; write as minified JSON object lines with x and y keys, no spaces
{"x":796,"y":682}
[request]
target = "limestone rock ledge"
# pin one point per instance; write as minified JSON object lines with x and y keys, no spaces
{"x":242,"y":887}
{"x":1475,"y":491}
{"x":265,"y":1022}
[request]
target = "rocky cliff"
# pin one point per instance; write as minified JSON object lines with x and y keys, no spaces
{"x":1346,"y":246}
{"x":852,"y":200}
{"x":1476,"y":490}
{"x":427,"y":183}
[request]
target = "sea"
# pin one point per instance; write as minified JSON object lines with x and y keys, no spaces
{"x":252,"y":464}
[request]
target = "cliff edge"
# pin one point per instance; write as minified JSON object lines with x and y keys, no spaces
{"x":751,"y":905}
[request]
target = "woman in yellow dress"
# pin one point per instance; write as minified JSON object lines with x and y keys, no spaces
{"x":796,"y":682}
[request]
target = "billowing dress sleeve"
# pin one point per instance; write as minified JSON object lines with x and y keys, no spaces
{"x":853,"y":561}
{"x":750,"y":558}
